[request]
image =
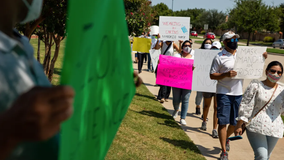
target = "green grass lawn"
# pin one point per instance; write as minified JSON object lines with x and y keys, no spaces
{"x":148,"y":131}
{"x":200,"y":42}
{"x":260,"y":43}
{"x":58,"y":64}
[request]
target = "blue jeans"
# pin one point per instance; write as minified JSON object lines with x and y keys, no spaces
{"x":262,"y":145}
{"x":198,"y":98}
{"x":150,"y":66}
{"x":181,"y":95}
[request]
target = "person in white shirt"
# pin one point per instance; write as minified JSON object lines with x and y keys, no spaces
{"x":229,"y":91}
{"x":182,"y":95}
{"x":265,"y":128}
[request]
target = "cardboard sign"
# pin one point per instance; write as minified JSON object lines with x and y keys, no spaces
{"x":201,"y":74}
{"x":100,"y":70}
{"x":174,"y":28}
{"x":154,"y":30}
{"x":155,"y":57}
{"x":142,"y":45}
{"x":249,"y":62}
{"x":175,"y":72}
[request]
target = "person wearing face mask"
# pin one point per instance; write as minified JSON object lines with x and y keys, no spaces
{"x":207,"y":44}
{"x":182,"y":95}
{"x":261,"y":108}
{"x":229,"y":91}
{"x":167,"y":48}
{"x":207,"y":102}
{"x":31,"y":110}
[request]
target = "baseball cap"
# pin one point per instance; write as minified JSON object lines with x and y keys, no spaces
{"x":229,"y":35}
{"x":217,"y":44}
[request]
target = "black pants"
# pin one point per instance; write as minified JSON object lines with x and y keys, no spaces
{"x":141,"y":58}
{"x":164,"y":92}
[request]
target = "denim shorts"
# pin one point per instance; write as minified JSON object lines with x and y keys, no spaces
{"x":208,"y":95}
{"x":227,"y":109}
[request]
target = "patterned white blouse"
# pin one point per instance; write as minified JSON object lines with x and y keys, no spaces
{"x":268,"y":122}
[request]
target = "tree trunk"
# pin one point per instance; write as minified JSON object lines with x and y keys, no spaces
{"x":248,"y":38}
{"x":54,"y":59}
{"x":38,"y":50}
{"x":31,"y":27}
{"x":47,"y":58}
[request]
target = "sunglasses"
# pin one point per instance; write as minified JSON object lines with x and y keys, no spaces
{"x":207,"y":43}
{"x":234,"y":40}
{"x":186,"y":46}
{"x":274,"y":71}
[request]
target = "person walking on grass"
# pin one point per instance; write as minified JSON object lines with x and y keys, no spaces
{"x":207,"y":102}
{"x":167,"y":48}
{"x":207,"y":44}
{"x":182,"y":95}
{"x":261,"y":107}
{"x":229,"y":91}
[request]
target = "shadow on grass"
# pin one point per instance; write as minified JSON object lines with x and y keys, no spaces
{"x":170,"y":123}
{"x":57,"y":71}
{"x":155,"y":114}
{"x":182,"y":144}
{"x":146,"y":96}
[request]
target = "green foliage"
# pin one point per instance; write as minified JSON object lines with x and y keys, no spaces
{"x":268,"y":39}
{"x":223,"y":26}
{"x":139,"y":15}
{"x":161,"y":9}
{"x":203,"y":32}
{"x":281,"y":8}
{"x":193,"y":14}
{"x":213,"y":18}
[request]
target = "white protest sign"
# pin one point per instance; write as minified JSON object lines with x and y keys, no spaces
{"x":155,"y":57}
{"x":174,"y":28}
{"x":249,"y":62}
{"x":201,"y":74}
{"x":154,"y":30}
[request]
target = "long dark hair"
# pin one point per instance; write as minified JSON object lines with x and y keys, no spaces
{"x":203,"y":44}
{"x":274,"y":63}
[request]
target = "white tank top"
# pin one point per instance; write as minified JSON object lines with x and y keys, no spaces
{"x":170,"y":51}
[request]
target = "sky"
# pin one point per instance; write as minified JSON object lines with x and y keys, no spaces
{"x":221,"y":5}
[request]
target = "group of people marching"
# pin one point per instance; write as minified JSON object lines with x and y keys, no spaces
{"x":258,"y":110}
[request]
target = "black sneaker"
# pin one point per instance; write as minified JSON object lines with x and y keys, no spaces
{"x":197,"y":111}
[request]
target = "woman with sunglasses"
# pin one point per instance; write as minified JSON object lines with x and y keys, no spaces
{"x":207,"y":44}
{"x":266,"y":127}
{"x":182,"y":95}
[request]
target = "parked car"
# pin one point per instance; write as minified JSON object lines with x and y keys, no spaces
{"x":193,"y":33}
{"x":279,"y":43}
{"x":209,"y":35}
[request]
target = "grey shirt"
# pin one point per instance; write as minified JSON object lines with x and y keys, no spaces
{"x":19,"y":72}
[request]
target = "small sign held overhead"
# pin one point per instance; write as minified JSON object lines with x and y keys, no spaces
{"x":205,"y":26}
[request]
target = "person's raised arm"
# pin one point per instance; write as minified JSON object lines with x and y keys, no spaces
{"x":180,"y":43}
{"x":159,"y":43}
{"x":176,"y":47}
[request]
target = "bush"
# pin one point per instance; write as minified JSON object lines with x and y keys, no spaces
{"x":268,"y":39}
{"x":203,"y":32}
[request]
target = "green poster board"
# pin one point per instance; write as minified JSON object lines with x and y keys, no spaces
{"x":98,"y":66}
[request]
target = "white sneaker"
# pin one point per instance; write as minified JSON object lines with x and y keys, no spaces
{"x":183,"y":122}
{"x":175,"y":114}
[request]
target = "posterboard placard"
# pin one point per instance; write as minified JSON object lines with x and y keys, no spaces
{"x":249,"y":62}
{"x":175,"y":72}
{"x":201,"y":74}
{"x":174,"y":28}
{"x":142,"y":45}
{"x":155,"y":57}
{"x":100,"y":70}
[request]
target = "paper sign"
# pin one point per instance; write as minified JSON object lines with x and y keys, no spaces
{"x":174,"y":28}
{"x":175,"y":72}
{"x":154,"y":30}
{"x":249,"y":62}
{"x":155,"y":57}
{"x":201,"y":74}
{"x":98,"y":66}
{"x":142,"y":45}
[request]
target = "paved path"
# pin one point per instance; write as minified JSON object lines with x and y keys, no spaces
{"x":209,"y":147}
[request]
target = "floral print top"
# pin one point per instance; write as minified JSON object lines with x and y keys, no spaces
{"x":268,"y":122}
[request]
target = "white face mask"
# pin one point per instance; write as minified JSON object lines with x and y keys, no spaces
{"x":207,"y":46}
{"x":34,"y":10}
{"x":187,"y":50}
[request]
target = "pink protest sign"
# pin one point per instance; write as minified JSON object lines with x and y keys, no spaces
{"x":175,"y":72}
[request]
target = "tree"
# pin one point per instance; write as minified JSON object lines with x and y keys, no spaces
{"x":161,"y":9}
{"x":139,"y":15}
{"x":281,"y":8}
{"x":253,"y":15}
{"x":213,"y":18}
{"x":193,"y":14}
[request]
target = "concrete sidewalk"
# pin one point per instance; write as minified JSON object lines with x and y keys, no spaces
{"x":209,"y":147}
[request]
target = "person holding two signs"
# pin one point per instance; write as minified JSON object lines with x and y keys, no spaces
{"x":229,"y":91}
